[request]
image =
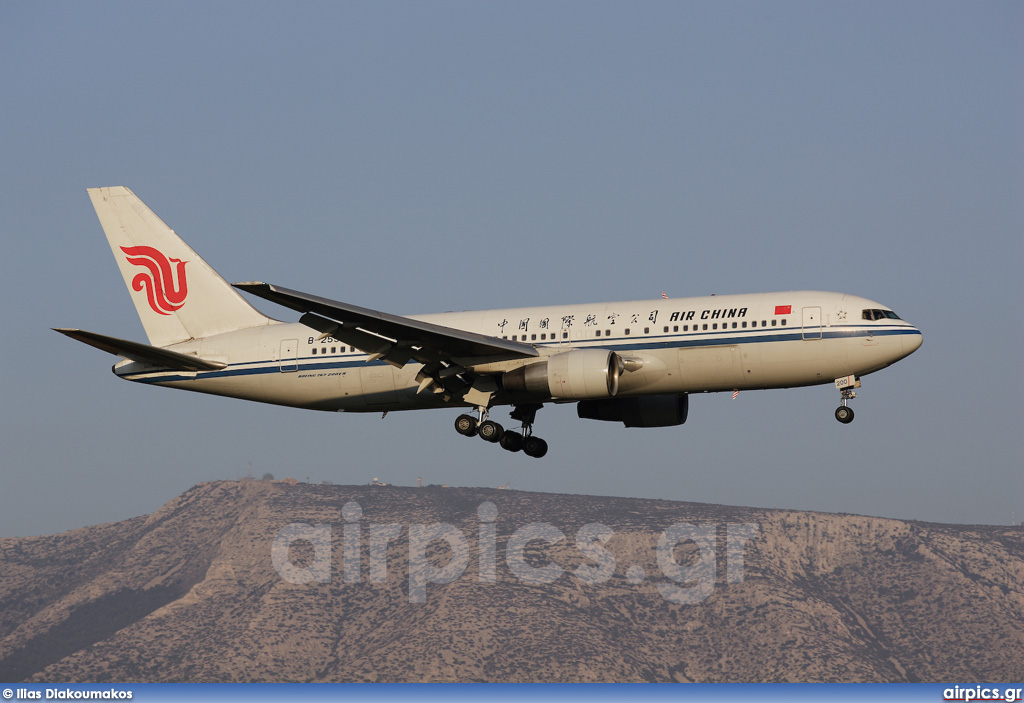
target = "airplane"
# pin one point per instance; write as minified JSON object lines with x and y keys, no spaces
{"x":633,"y":362}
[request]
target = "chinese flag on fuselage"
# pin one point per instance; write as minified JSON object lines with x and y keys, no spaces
{"x":783,"y":309}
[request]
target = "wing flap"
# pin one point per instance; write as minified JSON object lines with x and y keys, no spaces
{"x":142,"y":353}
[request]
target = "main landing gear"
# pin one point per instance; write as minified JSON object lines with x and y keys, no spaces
{"x":844,"y":413}
{"x":511,"y":440}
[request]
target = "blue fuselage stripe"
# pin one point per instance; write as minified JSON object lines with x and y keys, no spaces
{"x":618,"y":344}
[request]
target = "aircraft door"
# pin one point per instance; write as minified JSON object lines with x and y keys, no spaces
{"x":289,"y":355}
{"x":812,"y":323}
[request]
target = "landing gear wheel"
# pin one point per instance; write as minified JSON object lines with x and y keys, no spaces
{"x":844,"y":414}
{"x":490,"y":431}
{"x":524,"y":440}
{"x":535,"y":447}
{"x":512,"y":441}
{"x":466,"y":425}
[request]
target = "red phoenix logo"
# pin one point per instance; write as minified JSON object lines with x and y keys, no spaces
{"x":165,"y":287}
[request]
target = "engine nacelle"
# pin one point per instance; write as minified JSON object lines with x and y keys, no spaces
{"x":639,"y":411}
{"x":580,"y":373}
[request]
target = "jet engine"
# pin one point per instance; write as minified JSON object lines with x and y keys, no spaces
{"x":639,"y":411}
{"x":580,"y":373}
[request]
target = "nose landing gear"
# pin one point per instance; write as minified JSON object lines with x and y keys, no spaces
{"x":846,"y":384}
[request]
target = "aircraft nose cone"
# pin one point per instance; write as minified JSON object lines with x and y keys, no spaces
{"x":912,"y":342}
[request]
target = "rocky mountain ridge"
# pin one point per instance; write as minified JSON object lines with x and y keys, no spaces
{"x":269,"y":581}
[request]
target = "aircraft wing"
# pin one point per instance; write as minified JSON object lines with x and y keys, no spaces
{"x":142,"y":353}
{"x":394,"y":338}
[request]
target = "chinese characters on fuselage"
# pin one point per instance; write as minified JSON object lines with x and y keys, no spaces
{"x":676,"y":316}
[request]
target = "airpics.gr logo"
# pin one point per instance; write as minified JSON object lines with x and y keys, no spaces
{"x":685,"y":582}
{"x":166,"y":288}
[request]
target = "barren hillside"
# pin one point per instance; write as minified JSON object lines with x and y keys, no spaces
{"x":446,"y":584}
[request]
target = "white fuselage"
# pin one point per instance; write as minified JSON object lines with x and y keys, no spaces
{"x":679,"y":345}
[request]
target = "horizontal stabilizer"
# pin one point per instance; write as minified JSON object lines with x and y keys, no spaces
{"x":142,"y":353}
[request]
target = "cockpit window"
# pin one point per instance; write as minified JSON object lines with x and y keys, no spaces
{"x":879,"y":315}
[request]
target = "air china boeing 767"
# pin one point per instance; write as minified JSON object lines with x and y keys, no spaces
{"x":631,"y":362}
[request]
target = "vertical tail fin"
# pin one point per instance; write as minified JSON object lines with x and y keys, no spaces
{"x":178,"y":295}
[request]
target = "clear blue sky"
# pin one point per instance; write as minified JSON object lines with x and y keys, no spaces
{"x":420,"y":157}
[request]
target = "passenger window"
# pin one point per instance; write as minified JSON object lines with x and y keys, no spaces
{"x":533,"y":336}
{"x":334,"y":350}
{"x":597,"y":333}
{"x":314,"y":351}
{"x":734,"y":325}
{"x":647,"y":330}
{"x":774,"y":322}
{"x":627,"y":331}
{"x":744,"y":325}
{"x":607,"y":333}
{"x":705,"y":325}
{"x":783,"y":322}
{"x":675,"y":328}
{"x":714,"y":325}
